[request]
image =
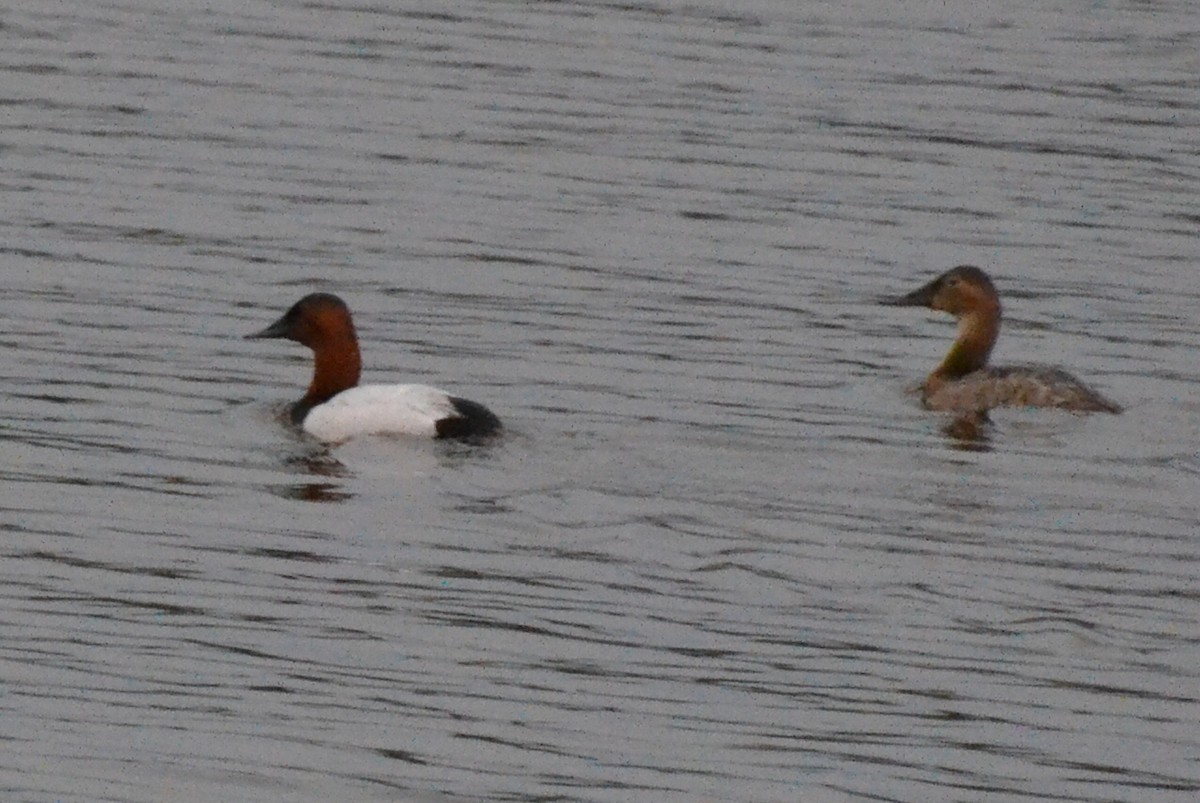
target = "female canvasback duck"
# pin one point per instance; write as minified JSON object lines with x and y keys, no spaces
{"x":337,"y":408}
{"x":964,"y":382}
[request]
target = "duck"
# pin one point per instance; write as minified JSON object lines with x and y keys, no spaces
{"x":336,"y":408}
{"x":964,"y":382}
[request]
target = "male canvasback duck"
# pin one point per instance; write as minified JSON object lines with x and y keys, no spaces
{"x":964,"y":382}
{"x":337,"y":408}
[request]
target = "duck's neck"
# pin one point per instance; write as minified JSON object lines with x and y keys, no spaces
{"x":977,"y":333}
{"x":338,"y":367}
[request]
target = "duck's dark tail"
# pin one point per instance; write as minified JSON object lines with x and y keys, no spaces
{"x":472,"y":420}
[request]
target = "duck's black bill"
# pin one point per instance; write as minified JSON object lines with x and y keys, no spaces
{"x":921,"y":297}
{"x":277,"y":329}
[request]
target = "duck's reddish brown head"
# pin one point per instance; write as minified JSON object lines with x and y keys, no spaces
{"x":322,"y":322}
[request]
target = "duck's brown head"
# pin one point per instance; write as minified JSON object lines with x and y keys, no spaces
{"x":316,"y":320}
{"x":959,"y":291}
{"x":322,"y":322}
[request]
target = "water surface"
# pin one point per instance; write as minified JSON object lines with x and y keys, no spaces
{"x":720,"y":554}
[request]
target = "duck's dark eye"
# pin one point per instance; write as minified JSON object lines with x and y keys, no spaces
{"x":951,"y":281}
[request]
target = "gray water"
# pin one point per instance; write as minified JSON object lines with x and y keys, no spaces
{"x":719,"y":554}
